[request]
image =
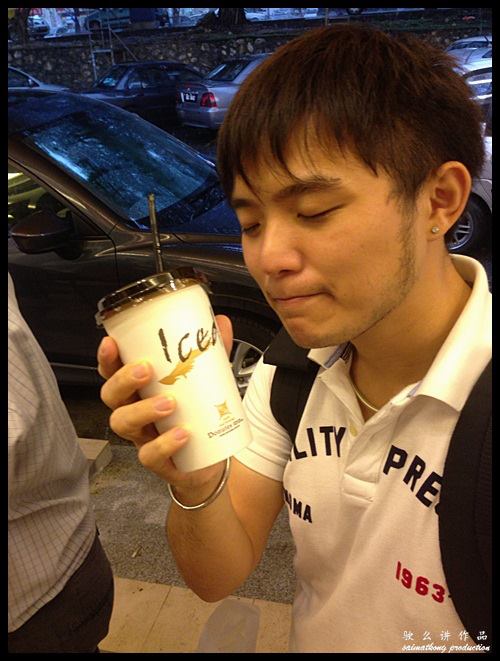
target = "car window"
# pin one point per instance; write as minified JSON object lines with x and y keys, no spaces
{"x":135,"y":79}
{"x":18,"y":79}
{"x":227,"y":71}
{"x":155,"y":77}
{"x":120,"y":159}
{"x":111,"y":79}
{"x":185,"y":75}
{"x":26,"y":196}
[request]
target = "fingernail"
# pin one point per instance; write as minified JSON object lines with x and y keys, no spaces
{"x":139,"y":371}
{"x":103,"y":351}
{"x":164,"y":403}
{"x":180,"y":434}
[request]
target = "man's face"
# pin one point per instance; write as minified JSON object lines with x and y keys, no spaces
{"x":330,"y":247}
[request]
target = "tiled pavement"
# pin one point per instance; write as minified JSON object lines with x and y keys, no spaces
{"x":149,"y":617}
{"x":159,"y":614}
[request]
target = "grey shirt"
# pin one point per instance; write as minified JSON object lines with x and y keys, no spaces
{"x":51,"y":521}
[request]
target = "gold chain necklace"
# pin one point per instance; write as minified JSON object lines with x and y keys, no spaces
{"x":363,"y":400}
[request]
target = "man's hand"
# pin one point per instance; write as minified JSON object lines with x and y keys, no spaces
{"x":133,"y":418}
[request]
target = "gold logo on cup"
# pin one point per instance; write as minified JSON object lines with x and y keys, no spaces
{"x":181,"y":369}
{"x":223,"y":409}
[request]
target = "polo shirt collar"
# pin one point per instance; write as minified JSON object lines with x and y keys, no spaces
{"x":468,"y":344}
{"x":327,"y":356}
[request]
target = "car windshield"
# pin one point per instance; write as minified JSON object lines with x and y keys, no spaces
{"x":227,"y":71}
{"x":111,"y":78}
{"x":118,"y":157}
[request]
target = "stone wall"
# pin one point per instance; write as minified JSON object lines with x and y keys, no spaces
{"x":68,"y":61}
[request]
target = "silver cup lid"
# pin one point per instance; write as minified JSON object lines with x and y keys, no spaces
{"x":135,"y":292}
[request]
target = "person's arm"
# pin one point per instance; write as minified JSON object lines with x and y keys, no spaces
{"x":217,"y":547}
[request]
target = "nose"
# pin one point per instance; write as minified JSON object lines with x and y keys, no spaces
{"x":279,"y":250}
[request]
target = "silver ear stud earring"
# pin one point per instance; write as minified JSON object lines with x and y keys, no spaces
{"x":435,"y":229}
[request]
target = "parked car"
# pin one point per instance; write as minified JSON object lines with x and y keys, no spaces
{"x":18,"y":80}
{"x":205,"y":103}
{"x":474,"y":225}
{"x":115,"y":17}
{"x":37,"y":26}
{"x":479,"y":76}
{"x":58,"y":31}
{"x":479,"y":41}
{"x":470,"y":48}
{"x":80,"y":171}
{"x":146,"y":88}
{"x":472,"y":55}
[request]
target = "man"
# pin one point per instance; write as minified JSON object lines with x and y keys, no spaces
{"x":347,"y":156}
{"x":60,"y":580}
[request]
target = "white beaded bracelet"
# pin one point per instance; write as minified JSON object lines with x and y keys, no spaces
{"x":211,"y":498}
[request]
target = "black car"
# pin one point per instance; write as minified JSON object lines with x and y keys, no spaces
{"x":80,"y":172}
{"x":146,"y":88}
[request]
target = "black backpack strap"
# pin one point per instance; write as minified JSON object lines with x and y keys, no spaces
{"x":292,"y":381}
{"x":465,"y":512}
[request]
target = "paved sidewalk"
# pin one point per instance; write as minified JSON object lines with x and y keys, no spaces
{"x":154,"y":611}
{"x":131,"y":505}
{"x":151,"y":617}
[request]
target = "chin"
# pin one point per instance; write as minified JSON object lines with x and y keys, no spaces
{"x":308,"y":338}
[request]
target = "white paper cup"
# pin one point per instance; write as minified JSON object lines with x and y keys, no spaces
{"x":167,"y":320}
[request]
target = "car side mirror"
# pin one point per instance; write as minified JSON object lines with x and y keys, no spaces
{"x":41,"y":232}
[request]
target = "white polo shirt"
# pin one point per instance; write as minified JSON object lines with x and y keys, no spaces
{"x":362,"y":496}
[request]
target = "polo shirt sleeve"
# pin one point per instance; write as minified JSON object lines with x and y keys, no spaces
{"x":269,"y":451}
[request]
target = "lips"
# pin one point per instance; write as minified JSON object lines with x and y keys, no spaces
{"x":287,"y":296}
{"x":298,"y":297}
{"x":292,"y":300}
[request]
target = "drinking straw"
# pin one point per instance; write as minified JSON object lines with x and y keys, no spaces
{"x":155,"y":234}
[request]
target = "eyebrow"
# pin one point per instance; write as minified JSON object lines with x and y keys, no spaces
{"x":313,"y":184}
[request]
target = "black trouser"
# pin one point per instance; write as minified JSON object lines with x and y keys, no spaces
{"x":77,"y":619}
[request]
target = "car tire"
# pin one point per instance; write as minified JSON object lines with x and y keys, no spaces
{"x":470,"y":229}
{"x":251,"y":339}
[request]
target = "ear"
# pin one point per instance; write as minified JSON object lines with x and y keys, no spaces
{"x":448,"y":194}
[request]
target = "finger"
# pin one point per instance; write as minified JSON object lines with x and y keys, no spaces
{"x":157,"y":454}
{"x":135,"y":422}
{"x":121,"y":388}
{"x":108,"y":359}
{"x":226,"y":331}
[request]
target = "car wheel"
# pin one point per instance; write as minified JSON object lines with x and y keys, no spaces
{"x":251,"y":339}
{"x":468,"y":231}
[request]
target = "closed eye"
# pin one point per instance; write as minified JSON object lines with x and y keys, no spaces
{"x":249,"y":229}
{"x":321,"y":214}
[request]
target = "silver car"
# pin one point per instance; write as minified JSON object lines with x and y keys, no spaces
{"x":471,"y":55}
{"x":473,"y":227}
{"x":471,"y":48}
{"x":19,"y":80}
{"x":204,"y":104}
{"x":479,"y":41}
